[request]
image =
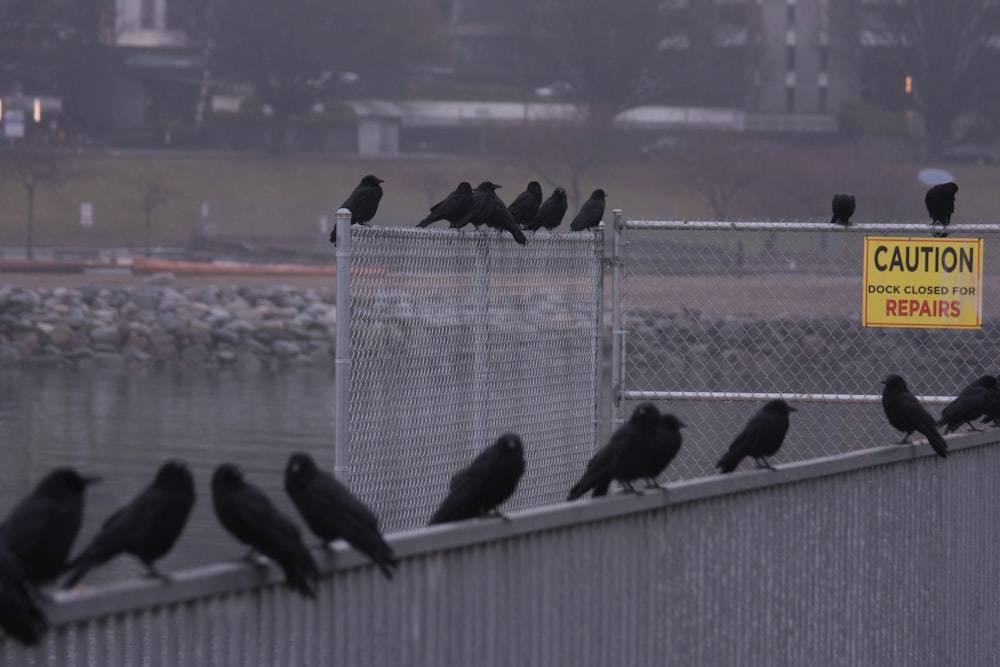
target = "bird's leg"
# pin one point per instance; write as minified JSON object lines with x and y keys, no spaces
{"x":628,"y":488}
{"x":763,"y":463}
{"x":972,"y":426}
{"x":495,"y":514}
{"x":651,"y":483}
{"x":906,"y":439}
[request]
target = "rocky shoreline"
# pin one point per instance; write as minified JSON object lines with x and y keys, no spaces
{"x":156,"y":324}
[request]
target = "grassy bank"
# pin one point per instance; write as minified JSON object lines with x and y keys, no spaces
{"x":284,"y":197}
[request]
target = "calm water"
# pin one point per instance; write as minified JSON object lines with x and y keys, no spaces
{"x":122,"y":424}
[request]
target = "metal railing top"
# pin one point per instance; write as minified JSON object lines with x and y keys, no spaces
{"x":234,"y":576}
{"x":808,"y":226}
{"x":646,"y":395}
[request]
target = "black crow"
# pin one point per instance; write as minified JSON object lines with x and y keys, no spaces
{"x":906,"y":414}
{"x":41,"y":529}
{"x":249,"y":516}
{"x":591,"y":213}
{"x":481,"y":487}
{"x":20,"y":616}
{"x":331,"y":511}
{"x":624,"y":458}
{"x":147,"y":528}
{"x":452,"y":208}
{"x":971,"y":403}
{"x":362,"y":203}
{"x":843,"y":209}
{"x":501,"y":218}
{"x":668,"y":443}
{"x":551,"y":212}
{"x":483,"y":204}
{"x":760,"y":438}
{"x":940,"y":202}
{"x":525,"y":206}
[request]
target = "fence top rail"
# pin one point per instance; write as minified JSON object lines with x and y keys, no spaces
{"x":652,"y":395}
{"x":918,"y":229}
{"x":471,"y":233}
{"x":84,"y":604}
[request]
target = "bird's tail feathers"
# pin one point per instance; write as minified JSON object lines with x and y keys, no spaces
{"x":729,"y":461}
{"x":937,"y":442}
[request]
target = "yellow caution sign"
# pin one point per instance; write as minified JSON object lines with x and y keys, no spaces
{"x":923,"y":283}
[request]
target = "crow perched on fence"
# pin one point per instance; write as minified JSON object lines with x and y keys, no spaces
{"x":940,"y":202}
{"x":20,"y":616}
{"x":551,"y":212}
{"x":362,"y":202}
{"x":625,"y":457}
{"x":148,"y":527}
{"x":591,"y":213}
{"x":482,"y":486}
{"x":971,"y":404}
{"x":483,"y":204}
{"x":760,"y":438}
{"x":452,"y":208}
{"x":331,"y":511}
{"x":843,"y":209}
{"x":249,"y":516}
{"x":668,"y":443}
{"x":906,"y":414}
{"x":488,"y":209}
{"x":525,"y":206}
{"x":41,"y":529}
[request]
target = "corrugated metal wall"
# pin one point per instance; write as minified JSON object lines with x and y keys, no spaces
{"x":882,"y":557}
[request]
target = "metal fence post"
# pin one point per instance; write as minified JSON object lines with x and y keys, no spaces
{"x":342,"y":351}
{"x":480,"y":341}
{"x":617,"y":323}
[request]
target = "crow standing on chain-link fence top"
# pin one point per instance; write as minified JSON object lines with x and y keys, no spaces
{"x":362,"y":203}
{"x":501,"y":218}
{"x":551,"y":212}
{"x":668,"y":443}
{"x":626,"y":456}
{"x":760,"y":438}
{"x":485,"y":484}
{"x":331,"y":511}
{"x":41,"y":529}
{"x":905,"y":414}
{"x":591,"y":213}
{"x":843,"y":209}
{"x":148,"y":527}
{"x":525,"y":206}
{"x":452,"y":208}
{"x":249,"y":516}
{"x":483,"y":201}
{"x":971,"y":404}
{"x":940,"y":202}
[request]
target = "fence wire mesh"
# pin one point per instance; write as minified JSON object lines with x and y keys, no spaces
{"x":745,"y":311}
{"x":458,"y":337}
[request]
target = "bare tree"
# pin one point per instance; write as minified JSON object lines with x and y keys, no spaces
{"x":722,"y":168}
{"x":152,"y":194}
{"x":34,"y":164}
{"x":943,"y":48}
{"x":294,"y":53}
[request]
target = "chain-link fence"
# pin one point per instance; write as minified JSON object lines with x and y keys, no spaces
{"x":716,"y":318}
{"x":458,"y":337}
